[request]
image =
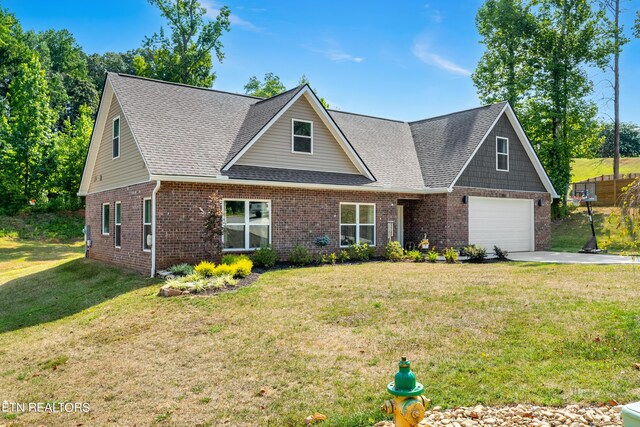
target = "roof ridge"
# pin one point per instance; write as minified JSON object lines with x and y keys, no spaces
{"x":366,"y":115}
{"x":281,"y":93}
{"x":457,"y":112}
{"x":187,"y":86}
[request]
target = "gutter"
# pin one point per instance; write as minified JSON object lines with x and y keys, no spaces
{"x":221,"y":179}
{"x":153,"y":229}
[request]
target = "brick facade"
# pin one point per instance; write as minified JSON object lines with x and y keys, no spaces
{"x":298,"y":216}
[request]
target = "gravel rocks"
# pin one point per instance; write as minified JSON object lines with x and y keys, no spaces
{"x":521,"y":415}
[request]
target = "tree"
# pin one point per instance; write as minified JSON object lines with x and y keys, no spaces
{"x":629,"y":140}
{"x":98,"y":65}
{"x":305,"y":81}
{"x":504,"y":72}
{"x":636,"y":27}
{"x":183,"y":56}
{"x":270,"y":86}
{"x":27,"y":152}
{"x":71,"y":149}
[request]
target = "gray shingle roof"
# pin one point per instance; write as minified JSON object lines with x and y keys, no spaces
{"x":184,"y":130}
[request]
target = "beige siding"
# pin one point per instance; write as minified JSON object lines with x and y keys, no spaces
{"x":127,"y":169}
{"x":273,"y":149}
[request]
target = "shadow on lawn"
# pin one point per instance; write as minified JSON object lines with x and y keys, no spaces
{"x":62,"y":291}
{"x":37,"y":251}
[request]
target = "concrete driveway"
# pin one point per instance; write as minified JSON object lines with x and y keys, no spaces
{"x":572,"y":258}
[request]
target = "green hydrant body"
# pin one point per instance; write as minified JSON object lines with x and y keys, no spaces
{"x":407,"y":406}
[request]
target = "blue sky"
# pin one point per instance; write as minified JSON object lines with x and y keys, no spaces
{"x":405,"y":59}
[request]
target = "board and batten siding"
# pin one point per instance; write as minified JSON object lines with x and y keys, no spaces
{"x":127,"y":169}
{"x":273,"y":148}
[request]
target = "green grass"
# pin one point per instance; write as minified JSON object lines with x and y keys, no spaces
{"x":61,"y":226}
{"x":582,"y":169}
{"x":323,"y":339}
{"x":571,"y":233}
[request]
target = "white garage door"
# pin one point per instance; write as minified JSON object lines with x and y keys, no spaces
{"x":506,"y":223}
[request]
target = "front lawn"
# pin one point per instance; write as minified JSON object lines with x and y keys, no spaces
{"x":323,"y":339}
{"x":589,"y":168}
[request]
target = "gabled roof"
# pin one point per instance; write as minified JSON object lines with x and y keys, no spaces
{"x":197,"y":134}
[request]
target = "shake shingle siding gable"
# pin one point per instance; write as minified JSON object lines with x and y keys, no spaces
{"x":481,"y":171}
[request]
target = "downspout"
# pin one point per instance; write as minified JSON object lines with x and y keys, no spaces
{"x":153,"y":229}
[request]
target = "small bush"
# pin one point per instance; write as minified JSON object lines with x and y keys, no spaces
{"x":265,"y":257}
{"x":230,"y":259}
{"x":243,"y":267}
{"x":432,"y":256}
{"x":393,"y":251}
{"x":501,"y":254}
{"x":321,"y":242}
{"x":361,"y":252}
{"x":415,"y":256}
{"x":451,"y":255}
{"x":183,"y":269}
{"x":224,"y":269}
{"x":205,"y":268}
{"x":300,"y":256}
{"x":475,"y":253}
{"x":343,"y":256}
{"x":330,"y":258}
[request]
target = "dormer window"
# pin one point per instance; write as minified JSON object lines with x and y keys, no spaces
{"x":502,"y":154}
{"x":302,"y":136}
{"x":115,"y":141}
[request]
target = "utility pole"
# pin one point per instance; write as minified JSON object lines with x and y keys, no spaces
{"x":616,"y":95}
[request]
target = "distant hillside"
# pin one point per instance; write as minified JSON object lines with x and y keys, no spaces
{"x":588,"y":168}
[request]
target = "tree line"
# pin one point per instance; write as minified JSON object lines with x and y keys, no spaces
{"x":537,"y":57}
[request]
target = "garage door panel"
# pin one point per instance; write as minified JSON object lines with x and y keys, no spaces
{"x":507,"y":223}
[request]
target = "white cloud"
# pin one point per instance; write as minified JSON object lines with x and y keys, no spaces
{"x":424,"y":54}
{"x":339,"y":56}
{"x":213,"y":10}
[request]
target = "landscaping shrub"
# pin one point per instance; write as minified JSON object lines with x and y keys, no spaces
{"x":230,"y":259}
{"x":451,"y":255}
{"x":501,"y":254}
{"x":243,"y":267}
{"x":330,"y":258}
{"x":224,"y":269}
{"x":183,"y":269}
{"x":205,"y":268}
{"x":475,"y":253}
{"x":393,"y":251}
{"x":415,"y":256}
{"x":432,"y":256}
{"x":361,"y":252}
{"x":343,"y":256}
{"x":321,"y":242}
{"x":300,"y":256}
{"x":265,"y":257}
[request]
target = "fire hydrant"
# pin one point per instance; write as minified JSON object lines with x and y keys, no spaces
{"x":407,"y":406}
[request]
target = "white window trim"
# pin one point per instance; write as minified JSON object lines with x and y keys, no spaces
{"x":358,"y":224}
{"x":246,"y":223}
{"x":116,"y":223}
{"x":102,"y":219}
{"x":144,"y":238}
{"x":498,"y":154}
{"x":301,"y":136}
{"x":119,"y":136}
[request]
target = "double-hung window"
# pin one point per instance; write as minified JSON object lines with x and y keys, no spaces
{"x":246,"y":224}
{"x":502,"y":154}
{"x":302,"y":136}
{"x":146,"y":224}
{"x":357,"y":224}
{"x":118,"y":224}
{"x":115,"y":140}
{"x":105,"y":219}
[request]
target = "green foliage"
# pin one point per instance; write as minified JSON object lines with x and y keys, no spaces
{"x":331,"y":258}
{"x":629,"y":141}
{"x":265,"y":257}
{"x":184,"y":55}
{"x":343,"y":256}
{"x":183,"y":269}
{"x":432,"y":256}
{"x":300,"y":256}
{"x":500,"y":253}
{"x":415,"y":256}
{"x":42,"y":226}
{"x":116,"y":62}
{"x":450,"y":255}
{"x":393,"y":251}
{"x":361,"y":252}
{"x":270,"y":86}
{"x":475,"y":253}
{"x":224,"y":270}
{"x":205,"y":268}
{"x":321,"y":242}
{"x":230,"y":259}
